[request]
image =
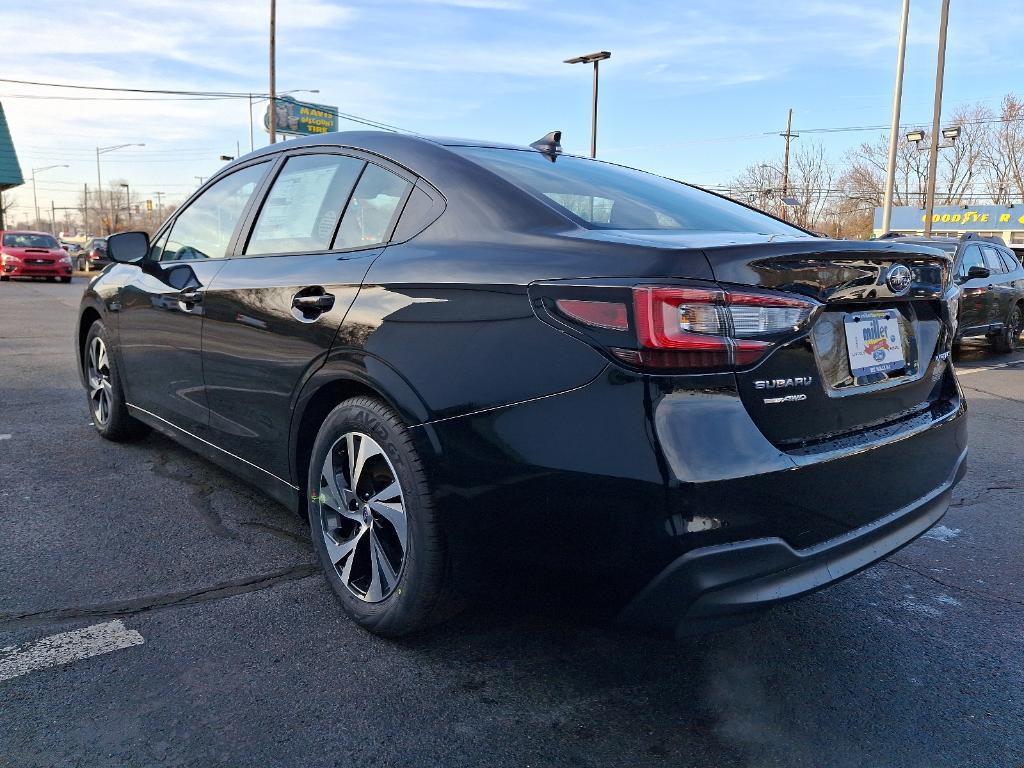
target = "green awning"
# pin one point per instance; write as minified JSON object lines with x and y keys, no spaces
{"x":10,"y":171}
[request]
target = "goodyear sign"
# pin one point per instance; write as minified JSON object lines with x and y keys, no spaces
{"x":978,"y":218}
{"x":301,"y":118}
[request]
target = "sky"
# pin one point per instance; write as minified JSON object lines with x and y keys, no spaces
{"x":695,"y":89}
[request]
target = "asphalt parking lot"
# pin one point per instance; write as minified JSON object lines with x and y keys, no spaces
{"x":225,"y":646}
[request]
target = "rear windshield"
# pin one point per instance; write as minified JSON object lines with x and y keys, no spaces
{"x":606,"y":196}
{"x":29,"y":240}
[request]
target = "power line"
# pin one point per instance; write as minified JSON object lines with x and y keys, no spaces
{"x":207,"y":94}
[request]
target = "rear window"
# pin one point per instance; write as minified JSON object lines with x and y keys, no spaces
{"x":605,"y":196}
{"x":29,"y":240}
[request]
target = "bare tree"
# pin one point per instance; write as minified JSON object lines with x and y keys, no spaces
{"x":810,"y":184}
{"x":962,"y":164}
{"x":1003,"y":159}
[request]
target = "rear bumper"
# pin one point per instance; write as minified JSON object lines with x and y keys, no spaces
{"x":707,"y":586}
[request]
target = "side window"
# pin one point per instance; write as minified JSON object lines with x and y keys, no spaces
{"x":302,"y":210}
{"x":372,"y":209}
{"x":1010,"y":261}
{"x":204,"y":229}
{"x":992,"y":259}
{"x":420,"y":211}
{"x":972,"y":258}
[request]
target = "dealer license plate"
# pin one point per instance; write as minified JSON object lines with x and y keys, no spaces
{"x":874,"y":342}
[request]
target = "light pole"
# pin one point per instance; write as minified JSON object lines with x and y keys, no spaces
{"x":897,"y":100}
{"x":595,"y":59}
{"x":99,"y":181}
{"x":252,"y":101}
{"x":933,"y":156}
{"x":272,"y":117}
{"x":35,"y":200}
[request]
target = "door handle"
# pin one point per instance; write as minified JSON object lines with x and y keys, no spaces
{"x":321,"y":303}
{"x":191,"y":296}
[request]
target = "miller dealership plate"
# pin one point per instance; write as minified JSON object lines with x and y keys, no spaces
{"x":874,"y":342}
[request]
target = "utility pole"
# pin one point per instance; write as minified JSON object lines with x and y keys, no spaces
{"x":85,"y":208}
{"x":788,"y":136}
{"x":99,"y":195}
{"x":272,"y":115}
{"x":53,"y":219}
{"x":159,"y":205}
{"x":897,"y":100}
{"x":933,"y":154}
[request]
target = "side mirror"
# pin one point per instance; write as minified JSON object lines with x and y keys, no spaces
{"x":128,"y":247}
{"x":976,"y":272}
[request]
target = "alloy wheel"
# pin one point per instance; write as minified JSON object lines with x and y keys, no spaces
{"x":362,"y":516}
{"x":1017,"y":329}
{"x":100,"y":386}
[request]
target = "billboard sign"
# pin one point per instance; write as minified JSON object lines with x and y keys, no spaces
{"x":960,"y":218}
{"x":300,"y":118}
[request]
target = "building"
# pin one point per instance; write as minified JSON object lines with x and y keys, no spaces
{"x":1005,"y":221}
{"x":10,"y":171}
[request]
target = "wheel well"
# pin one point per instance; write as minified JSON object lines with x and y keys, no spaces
{"x":321,"y":404}
{"x":89,"y":316}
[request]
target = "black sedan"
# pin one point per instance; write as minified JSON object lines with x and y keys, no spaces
{"x":991,"y":282}
{"x":93,"y":255}
{"x":460,"y":358}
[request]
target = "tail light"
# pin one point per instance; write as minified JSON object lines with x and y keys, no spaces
{"x":687,"y":329}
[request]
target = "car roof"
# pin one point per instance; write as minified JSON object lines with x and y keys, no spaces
{"x":24,"y":232}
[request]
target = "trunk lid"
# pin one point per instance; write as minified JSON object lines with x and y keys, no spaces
{"x":810,"y":390}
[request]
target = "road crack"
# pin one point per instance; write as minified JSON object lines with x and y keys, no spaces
{"x":150,"y":603}
{"x":201,"y":497}
{"x":976,"y":498}
{"x":957,"y":587}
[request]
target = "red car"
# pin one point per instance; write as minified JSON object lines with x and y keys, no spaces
{"x":33,"y":254}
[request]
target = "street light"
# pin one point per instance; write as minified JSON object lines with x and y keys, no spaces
{"x":252,"y":101}
{"x":35,"y":200}
{"x":99,"y":182}
{"x":596,"y":59}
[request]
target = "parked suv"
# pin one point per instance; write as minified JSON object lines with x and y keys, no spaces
{"x":991,"y":282}
{"x":457,"y":357}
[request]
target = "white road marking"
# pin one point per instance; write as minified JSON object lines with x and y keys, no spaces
{"x":968,"y":371}
{"x":5,"y":437}
{"x":66,"y":647}
{"x":941,"y":533}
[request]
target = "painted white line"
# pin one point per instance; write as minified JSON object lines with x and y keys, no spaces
{"x":5,"y":437}
{"x":66,"y":647}
{"x":967,"y":371}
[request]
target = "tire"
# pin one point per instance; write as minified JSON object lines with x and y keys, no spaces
{"x":390,"y":581}
{"x":104,"y":391}
{"x":1010,"y":338}
{"x":4,"y":278}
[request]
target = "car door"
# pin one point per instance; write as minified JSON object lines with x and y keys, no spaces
{"x":999,"y":286}
{"x":161,"y":311}
{"x":274,"y":310}
{"x":975,"y":295}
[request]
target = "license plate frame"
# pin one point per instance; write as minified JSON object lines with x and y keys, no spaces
{"x":874,"y":342}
